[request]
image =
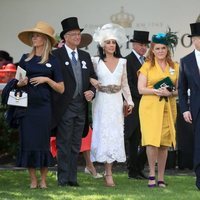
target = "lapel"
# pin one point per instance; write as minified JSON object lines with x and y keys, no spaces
{"x":192,"y":64}
{"x":67,"y":61}
{"x":136,"y":62}
{"x":81,"y":59}
{"x":83,"y":63}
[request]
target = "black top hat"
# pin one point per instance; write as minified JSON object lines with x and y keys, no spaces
{"x":195,"y":29}
{"x":69,"y":24}
{"x":141,"y":37}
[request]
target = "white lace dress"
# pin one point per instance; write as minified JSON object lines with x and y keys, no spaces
{"x":107,"y":112}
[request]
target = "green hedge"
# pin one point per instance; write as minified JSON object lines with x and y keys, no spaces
{"x":9,"y":138}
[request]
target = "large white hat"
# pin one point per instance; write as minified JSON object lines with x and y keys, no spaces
{"x":108,"y":32}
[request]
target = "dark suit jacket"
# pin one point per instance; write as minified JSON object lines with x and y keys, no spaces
{"x":189,"y":78}
{"x":61,"y":101}
{"x":132,"y":121}
{"x":133,"y":65}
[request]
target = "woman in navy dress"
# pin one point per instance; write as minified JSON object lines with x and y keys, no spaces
{"x":43,"y":75}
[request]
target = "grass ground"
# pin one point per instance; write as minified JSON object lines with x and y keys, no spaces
{"x":14,"y":185}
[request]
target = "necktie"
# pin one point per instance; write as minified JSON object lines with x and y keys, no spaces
{"x":141,"y":59}
{"x":74,"y":58}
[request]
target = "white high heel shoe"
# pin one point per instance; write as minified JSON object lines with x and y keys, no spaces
{"x":87,"y":171}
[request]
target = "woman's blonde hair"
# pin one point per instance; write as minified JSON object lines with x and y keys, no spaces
{"x":151,"y":57}
{"x":46,"y":51}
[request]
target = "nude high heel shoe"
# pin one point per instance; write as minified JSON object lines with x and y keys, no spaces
{"x":87,"y":171}
{"x":108,"y":183}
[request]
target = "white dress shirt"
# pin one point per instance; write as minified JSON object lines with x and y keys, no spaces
{"x":69,"y":51}
{"x":138,"y":56}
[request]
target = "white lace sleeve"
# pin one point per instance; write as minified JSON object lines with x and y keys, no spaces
{"x":125,"y":87}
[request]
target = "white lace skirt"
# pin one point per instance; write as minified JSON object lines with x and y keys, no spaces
{"x":108,"y":128}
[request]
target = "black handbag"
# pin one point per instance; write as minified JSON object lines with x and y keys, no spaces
{"x":13,"y":114}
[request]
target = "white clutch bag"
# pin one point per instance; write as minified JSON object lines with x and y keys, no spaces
{"x":18,"y":98}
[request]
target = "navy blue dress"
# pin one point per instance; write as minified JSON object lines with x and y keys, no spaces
{"x":35,"y":125}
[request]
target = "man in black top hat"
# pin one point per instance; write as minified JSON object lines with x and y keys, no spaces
{"x":70,"y":108}
{"x":136,"y":154}
{"x":189,"y":78}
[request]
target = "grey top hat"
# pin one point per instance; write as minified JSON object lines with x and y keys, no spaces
{"x":141,"y":37}
{"x":195,"y":29}
{"x":69,"y":24}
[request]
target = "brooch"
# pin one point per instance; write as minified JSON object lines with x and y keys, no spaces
{"x":84,"y":65}
{"x":48,"y":64}
{"x":171,"y":71}
{"x":66,"y":63}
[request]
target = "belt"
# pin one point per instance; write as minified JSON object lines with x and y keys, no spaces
{"x":109,"y":89}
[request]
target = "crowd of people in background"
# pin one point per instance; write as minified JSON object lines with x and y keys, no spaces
{"x":145,"y":84}
{"x":5,"y":58}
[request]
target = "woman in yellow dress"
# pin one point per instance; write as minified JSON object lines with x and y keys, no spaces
{"x":157,"y":108}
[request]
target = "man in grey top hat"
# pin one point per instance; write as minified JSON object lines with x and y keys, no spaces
{"x":189,"y":78}
{"x":136,"y":153}
{"x":70,"y":108}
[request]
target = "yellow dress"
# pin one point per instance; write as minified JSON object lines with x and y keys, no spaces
{"x":157,"y":118}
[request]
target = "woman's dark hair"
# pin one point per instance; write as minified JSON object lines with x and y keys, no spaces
{"x":102,"y":55}
{"x":6,"y":56}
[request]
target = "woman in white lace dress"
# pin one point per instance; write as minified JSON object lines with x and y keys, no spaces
{"x":108,"y":119}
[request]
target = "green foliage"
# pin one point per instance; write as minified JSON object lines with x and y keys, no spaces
{"x":8,"y":136}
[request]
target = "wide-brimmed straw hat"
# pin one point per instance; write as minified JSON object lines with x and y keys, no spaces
{"x":40,"y":27}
